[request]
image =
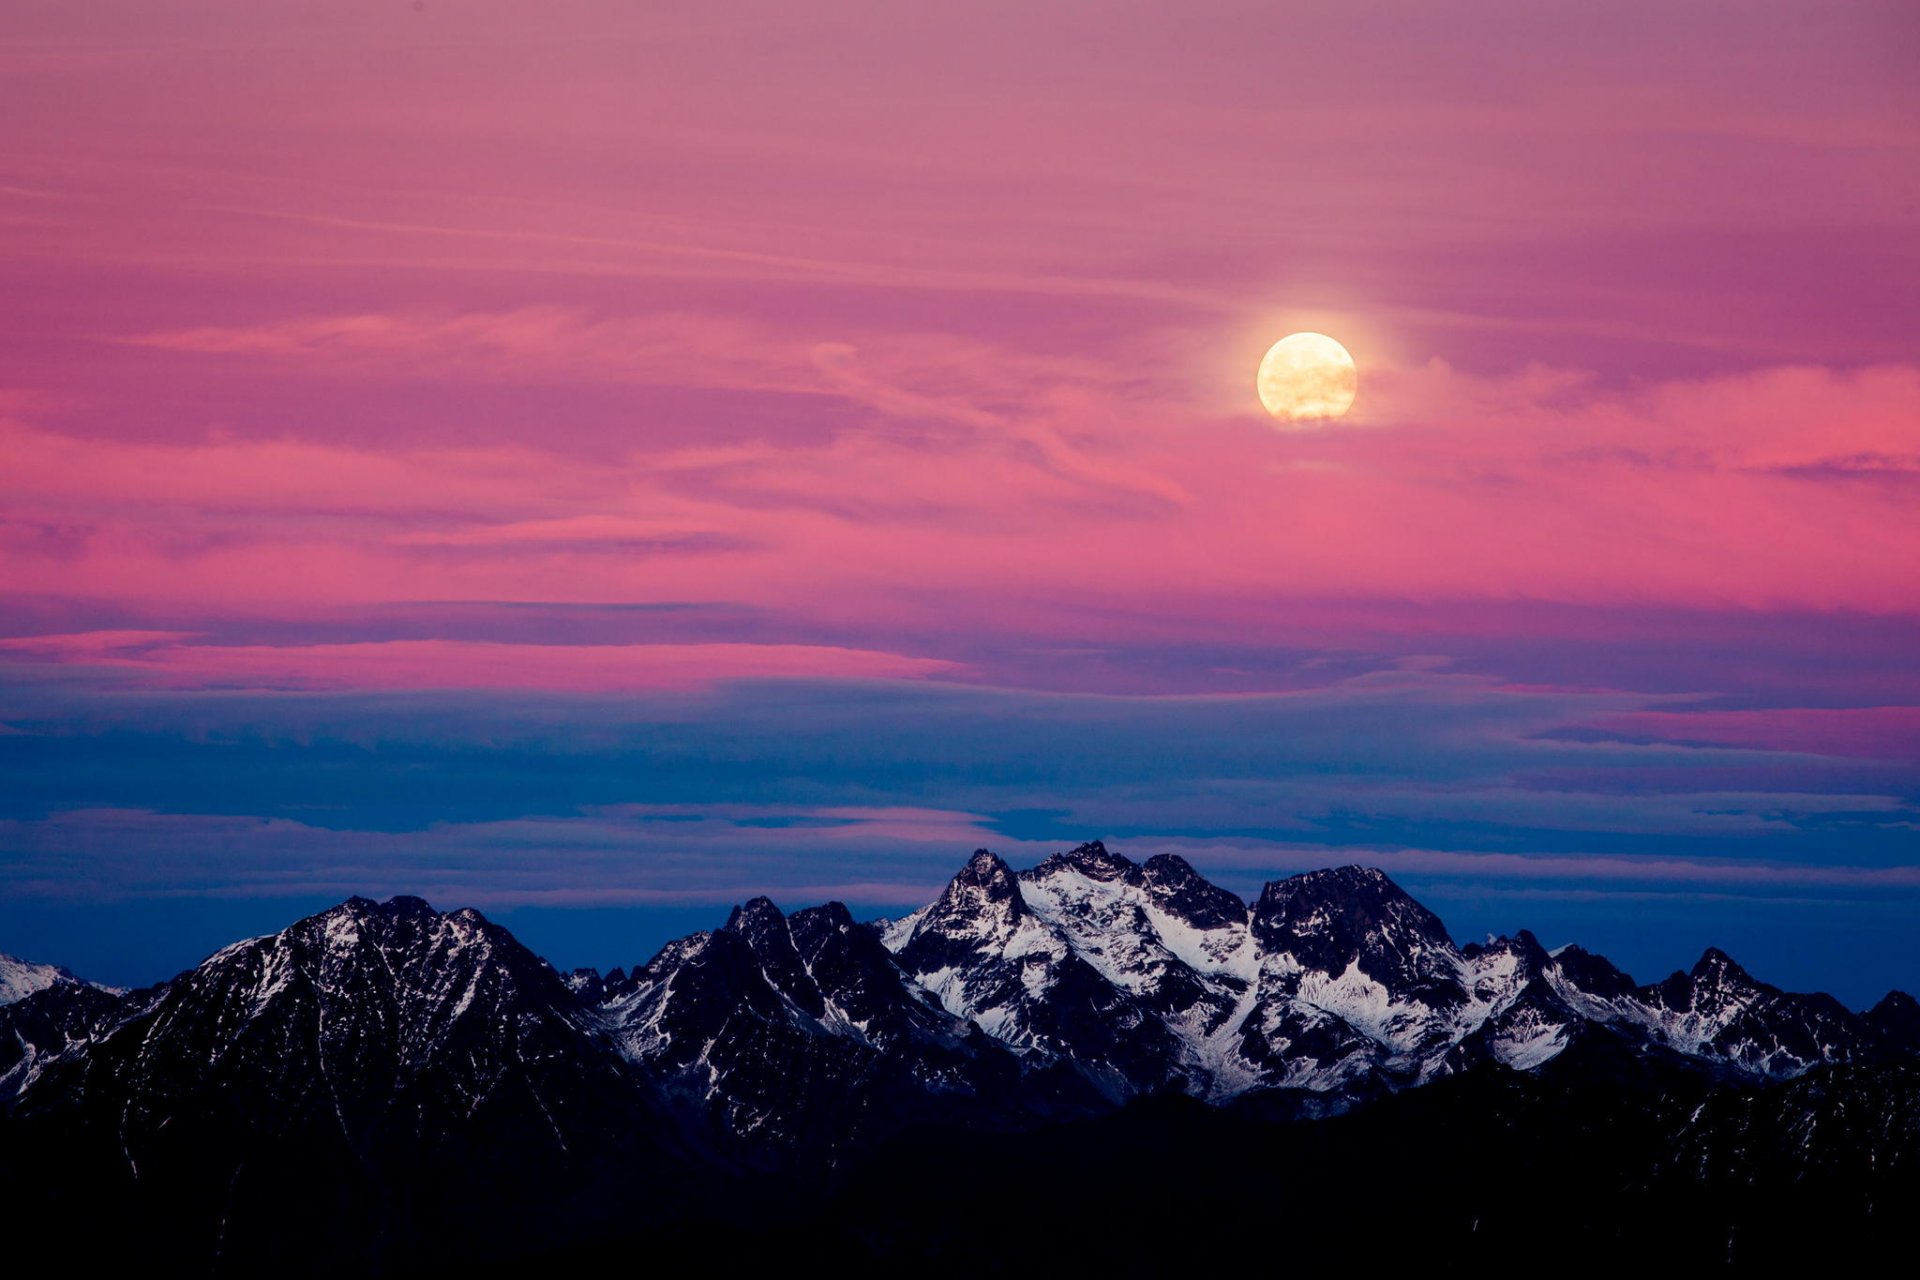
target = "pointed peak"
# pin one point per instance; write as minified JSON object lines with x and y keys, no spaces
{"x":984,"y":895}
{"x":1169,"y":868}
{"x":985,"y":878}
{"x":985,"y":867}
{"x":1718,"y":967}
{"x":1178,"y":888}
{"x":1593,"y":974}
{"x":834,"y":914}
{"x":755,"y":913}
{"x":1897,"y":1019}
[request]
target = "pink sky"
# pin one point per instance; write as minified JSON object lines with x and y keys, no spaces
{"x":923,"y":336}
{"x":632,"y":453}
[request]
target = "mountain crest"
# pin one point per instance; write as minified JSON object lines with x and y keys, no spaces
{"x":754,"y":915}
{"x":984,"y":869}
{"x":983,"y":900}
{"x":1062,"y":989}
{"x":1897,"y":1019}
{"x":1353,"y":915}
{"x":1185,"y":893}
{"x":22,"y":978}
{"x":1715,"y":967}
{"x":1091,"y":859}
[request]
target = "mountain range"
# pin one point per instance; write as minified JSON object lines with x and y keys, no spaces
{"x":382,"y":1084}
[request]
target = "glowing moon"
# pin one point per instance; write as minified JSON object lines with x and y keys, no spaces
{"x":1307,"y":377}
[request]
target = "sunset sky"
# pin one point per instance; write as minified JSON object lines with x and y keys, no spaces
{"x":599,"y":461}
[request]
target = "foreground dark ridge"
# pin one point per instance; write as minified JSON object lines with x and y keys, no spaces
{"x":345,"y":1090}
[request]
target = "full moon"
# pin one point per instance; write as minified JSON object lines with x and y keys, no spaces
{"x":1306,"y":377}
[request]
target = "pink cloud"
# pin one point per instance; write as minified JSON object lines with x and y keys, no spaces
{"x":528,"y":342}
{"x":87,"y":645}
{"x":564,"y":532}
{"x":1741,"y":491}
{"x":302,"y":331}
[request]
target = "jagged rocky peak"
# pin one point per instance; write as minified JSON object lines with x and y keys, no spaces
{"x":756,"y":915}
{"x":1506,"y":962}
{"x":1092,"y":860}
{"x":1522,"y":946}
{"x":765,"y":931}
{"x":1330,"y":919}
{"x":830,"y":930}
{"x":401,"y":948}
{"x":987,"y":873}
{"x":1591,"y":974}
{"x":1715,"y":980}
{"x":391,"y":978}
{"x":1716,"y":968}
{"x":1719,"y":1011}
{"x":862,"y":985}
{"x":400,"y":907}
{"x":22,"y":978}
{"x":402,"y":921}
{"x":587,"y":984}
{"x":1528,"y":947}
{"x":982,"y":901}
{"x":1181,"y":891}
{"x":1170,"y":883}
{"x":764,"y":928}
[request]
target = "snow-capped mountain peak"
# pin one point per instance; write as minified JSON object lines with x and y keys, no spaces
{"x":22,"y":978}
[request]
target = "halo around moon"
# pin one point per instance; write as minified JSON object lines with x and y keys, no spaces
{"x":1306,"y":378}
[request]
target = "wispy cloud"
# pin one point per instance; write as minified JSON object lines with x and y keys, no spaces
{"x":165,"y":660}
